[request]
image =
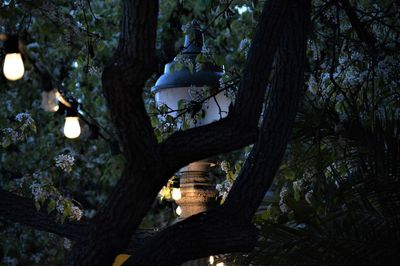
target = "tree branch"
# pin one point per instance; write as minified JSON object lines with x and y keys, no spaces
{"x":201,"y":235}
{"x":123,"y":81}
{"x":22,"y":210}
{"x":362,"y":33}
{"x":240,"y":127}
{"x":228,"y":228}
{"x":51,"y":12}
{"x":280,"y":112}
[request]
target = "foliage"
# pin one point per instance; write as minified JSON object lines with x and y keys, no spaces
{"x":338,"y":185}
{"x":335,"y":199}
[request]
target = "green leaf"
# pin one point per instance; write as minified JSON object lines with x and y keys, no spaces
{"x":32,"y":126}
{"x":51,"y":206}
{"x":181,"y":104}
{"x":296,"y":195}
{"x":190,"y":67}
{"x":6,"y":142}
{"x":37,"y":205}
{"x":238,"y":167}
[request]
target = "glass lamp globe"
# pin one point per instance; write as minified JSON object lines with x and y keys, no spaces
{"x":176,"y":85}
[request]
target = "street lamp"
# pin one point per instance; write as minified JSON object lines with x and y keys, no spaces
{"x":175,"y":85}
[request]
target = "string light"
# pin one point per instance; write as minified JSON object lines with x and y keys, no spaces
{"x":211,"y":260}
{"x":72,"y":128}
{"x":50,"y":102}
{"x":178,"y":210}
{"x":13,"y":67}
{"x":176,"y":194}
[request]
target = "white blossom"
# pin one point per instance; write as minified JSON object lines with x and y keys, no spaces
{"x":37,"y":190}
{"x":205,"y":51}
{"x":65,"y":162}
{"x":10,"y":261}
{"x":244,"y":44}
{"x":298,"y":185}
{"x":67,"y":243}
{"x":12,"y":134}
{"x":76,"y":213}
{"x":223,"y":189}
{"x":312,"y":84}
{"x":60,"y":206}
{"x":37,"y":257}
{"x":25,"y":119}
{"x":339,"y":97}
{"x":222,"y":83}
{"x":284,"y":193}
{"x":185,"y":28}
{"x":397,"y":113}
{"x":308,"y":196}
{"x":225,"y":166}
{"x":284,"y":207}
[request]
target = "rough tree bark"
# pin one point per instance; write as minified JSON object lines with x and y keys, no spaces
{"x":228,"y":228}
{"x":149,"y":164}
{"x":22,"y":210}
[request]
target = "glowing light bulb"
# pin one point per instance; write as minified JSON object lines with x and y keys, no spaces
{"x":176,"y":194}
{"x":50,"y":100}
{"x":220,"y":264}
{"x":72,"y":129}
{"x":13,"y":67}
{"x":178,"y":210}
{"x":211,"y":260}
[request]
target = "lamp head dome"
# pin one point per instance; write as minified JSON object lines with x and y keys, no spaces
{"x":209,"y":75}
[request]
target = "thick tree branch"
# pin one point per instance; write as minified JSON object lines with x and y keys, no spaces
{"x":280,"y":112}
{"x":145,"y":172}
{"x":123,"y":81}
{"x":201,"y":235}
{"x":228,"y":228}
{"x":362,"y":33}
{"x":240,"y":127}
{"x":22,"y":210}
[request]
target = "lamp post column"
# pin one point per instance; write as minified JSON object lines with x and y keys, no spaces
{"x":198,"y":195}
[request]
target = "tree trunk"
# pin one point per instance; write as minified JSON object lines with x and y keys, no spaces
{"x":228,"y":228}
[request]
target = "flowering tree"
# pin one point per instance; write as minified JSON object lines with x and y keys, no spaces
{"x":348,"y":63}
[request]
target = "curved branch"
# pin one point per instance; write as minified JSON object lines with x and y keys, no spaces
{"x":228,"y":228}
{"x":209,"y":233}
{"x":123,"y":81}
{"x":22,"y":210}
{"x":362,"y":32}
{"x":240,"y":127}
{"x":280,"y":112}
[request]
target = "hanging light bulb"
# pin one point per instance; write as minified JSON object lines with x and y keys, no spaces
{"x":13,"y":67}
{"x":176,"y":194}
{"x":72,"y":129}
{"x":211,"y":260}
{"x":50,"y":100}
{"x":178,"y":210}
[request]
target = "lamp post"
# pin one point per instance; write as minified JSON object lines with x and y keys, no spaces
{"x":197,"y":193}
